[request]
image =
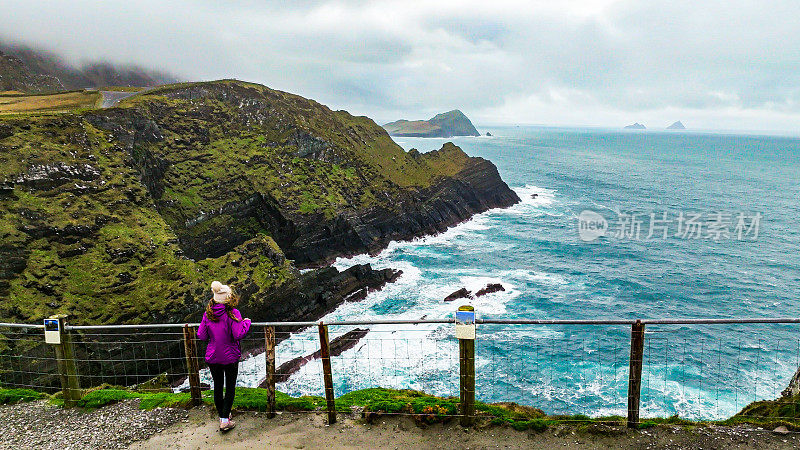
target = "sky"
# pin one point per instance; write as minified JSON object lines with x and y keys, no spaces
{"x":731,"y":65}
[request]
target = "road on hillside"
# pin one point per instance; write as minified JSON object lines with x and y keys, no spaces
{"x":111,"y":98}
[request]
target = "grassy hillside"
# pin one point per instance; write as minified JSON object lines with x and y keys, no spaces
{"x":80,"y":234}
{"x":124,"y":215}
{"x":60,"y":102}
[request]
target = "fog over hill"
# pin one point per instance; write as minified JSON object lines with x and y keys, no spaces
{"x":30,"y":70}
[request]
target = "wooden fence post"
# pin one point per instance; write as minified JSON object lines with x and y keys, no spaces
{"x":635,"y":373}
{"x":67,"y":369}
{"x":325,"y":352}
{"x":269,"y":357}
{"x":466,"y":351}
{"x":465,"y":332}
{"x":190,"y":349}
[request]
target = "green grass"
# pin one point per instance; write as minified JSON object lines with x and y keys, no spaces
{"x":423,"y":407}
{"x":8,"y":396}
{"x":59,"y":102}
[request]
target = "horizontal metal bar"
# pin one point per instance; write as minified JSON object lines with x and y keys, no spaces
{"x":284,"y":324}
{"x":20,"y":325}
{"x":721,"y":321}
{"x":128,"y":327}
{"x":486,"y":321}
{"x":552,"y":322}
{"x":390,"y":322}
{"x":632,"y":321}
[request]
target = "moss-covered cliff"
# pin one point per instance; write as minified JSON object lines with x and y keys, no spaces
{"x":125,"y":214}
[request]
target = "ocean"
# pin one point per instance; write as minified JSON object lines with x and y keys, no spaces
{"x":692,"y":225}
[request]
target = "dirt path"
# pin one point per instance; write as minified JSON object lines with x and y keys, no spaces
{"x":308,"y":430}
{"x":44,"y":426}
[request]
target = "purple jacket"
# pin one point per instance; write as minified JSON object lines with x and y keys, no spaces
{"x":223,"y":336}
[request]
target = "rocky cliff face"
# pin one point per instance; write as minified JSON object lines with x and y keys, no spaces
{"x":15,"y":76}
{"x":35,"y":71}
{"x":124,"y":215}
{"x":449,"y":124}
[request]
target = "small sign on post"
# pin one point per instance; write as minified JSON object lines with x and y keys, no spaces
{"x":465,"y":322}
{"x":52,"y":331}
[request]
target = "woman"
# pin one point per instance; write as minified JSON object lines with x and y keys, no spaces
{"x":222,"y":326}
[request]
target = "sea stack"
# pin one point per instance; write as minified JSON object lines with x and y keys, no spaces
{"x":635,"y":126}
{"x":449,"y":124}
{"x":676,"y":126}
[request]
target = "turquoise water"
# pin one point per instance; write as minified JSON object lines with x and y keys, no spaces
{"x":533,"y":249}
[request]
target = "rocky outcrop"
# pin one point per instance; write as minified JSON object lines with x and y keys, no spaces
{"x":676,"y":126}
{"x":477,"y":188}
{"x":793,"y":389}
{"x":461,"y":293}
{"x":635,"y":126}
{"x":337,"y":346}
{"x":449,"y":124}
{"x":489,"y":289}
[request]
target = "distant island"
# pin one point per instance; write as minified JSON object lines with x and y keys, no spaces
{"x":451,"y":123}
{"x":676,"y":126}
{"x":635,"y":126}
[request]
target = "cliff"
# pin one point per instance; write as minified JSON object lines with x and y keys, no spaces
{"x":449,"y":124}
{"x":33,"y":71}
{"x":16,"y":77}
{"x":124,"y":215}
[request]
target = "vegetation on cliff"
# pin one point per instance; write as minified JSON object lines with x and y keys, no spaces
{"x":123,"y":215}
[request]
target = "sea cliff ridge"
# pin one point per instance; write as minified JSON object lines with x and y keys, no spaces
{"x":123,"y":215}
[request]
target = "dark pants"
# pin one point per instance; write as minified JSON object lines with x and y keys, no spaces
{"x":224,"y":375}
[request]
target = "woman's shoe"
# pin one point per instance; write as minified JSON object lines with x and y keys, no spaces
{"x":228,"y":426}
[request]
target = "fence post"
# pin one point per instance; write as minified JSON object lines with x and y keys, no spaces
{"x":465,"y":332}
{"x":269,"y":357}
{"x":635,"y":373}
{"x":325,"y":352}
{"x":67,"y":369}
{"x":190,"y":349}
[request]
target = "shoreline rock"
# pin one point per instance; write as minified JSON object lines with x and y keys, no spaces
{"x":337,"y":346}
{"x":490,"y":288}
{"x":461,"y":293}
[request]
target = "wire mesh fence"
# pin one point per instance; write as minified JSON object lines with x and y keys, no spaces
{"x":696,"y":371}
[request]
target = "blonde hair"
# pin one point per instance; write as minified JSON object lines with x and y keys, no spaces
{"x":230,"y":303}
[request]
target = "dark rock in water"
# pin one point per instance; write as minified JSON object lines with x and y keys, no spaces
{"x":491,"y":287}
{"x":676,"y":126}
{"x":488,"y":134}
{"x":461,"y":293}
{"x":337,"y":346}
{"x":534,"y":195}
{"x":635,"y":126}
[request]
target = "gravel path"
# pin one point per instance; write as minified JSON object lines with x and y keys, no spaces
{"x":41,"y":425}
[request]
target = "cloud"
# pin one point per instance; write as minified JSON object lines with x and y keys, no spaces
{"x":711,"y":64}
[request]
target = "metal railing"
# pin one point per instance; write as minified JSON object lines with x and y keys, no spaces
{"x":567,"y":366}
